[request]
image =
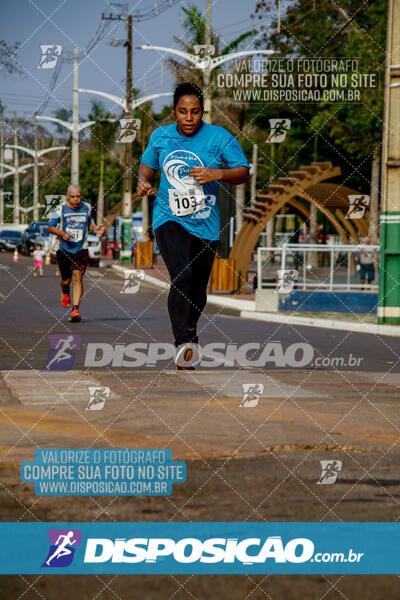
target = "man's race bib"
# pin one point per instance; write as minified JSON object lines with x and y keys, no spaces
{"x":186,"y":203}
{"x":76,"y":234}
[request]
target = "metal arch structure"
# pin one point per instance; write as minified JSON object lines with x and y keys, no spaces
{"x":307,"y":183}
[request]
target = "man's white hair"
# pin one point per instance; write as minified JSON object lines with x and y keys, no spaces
{"x":73,"y":186}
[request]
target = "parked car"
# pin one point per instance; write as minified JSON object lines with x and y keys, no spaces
{"x":36,"y":230}
{"x":9,"y":240}
{"x":94,"y":247}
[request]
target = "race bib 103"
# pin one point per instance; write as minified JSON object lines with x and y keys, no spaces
{"x":187,"y":202}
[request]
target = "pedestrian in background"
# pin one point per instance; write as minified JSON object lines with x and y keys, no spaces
{"x":38,"y":256}
{"x":367,"y":263}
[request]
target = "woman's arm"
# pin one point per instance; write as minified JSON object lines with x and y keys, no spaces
{"x":145,"y":175}
{"x":205,"y":175}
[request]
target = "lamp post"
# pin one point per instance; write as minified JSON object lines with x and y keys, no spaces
{"x":207,"y":66}
{"x":75,"y":142}
{"x":15,"y":173}
{"x":36,"y":155}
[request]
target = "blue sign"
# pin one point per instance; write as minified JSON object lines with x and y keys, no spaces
{"x":200,"y":548}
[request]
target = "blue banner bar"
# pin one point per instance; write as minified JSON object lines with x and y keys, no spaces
{"x":208,"y":548}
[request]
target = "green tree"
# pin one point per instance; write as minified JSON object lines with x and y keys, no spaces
{"x":8,"y":57}
{"x":64,"y":114}
{"x":89,"y":178}
{"x":344,"y":133}
{"x":102,"y":137}
{"x":226,"y":112}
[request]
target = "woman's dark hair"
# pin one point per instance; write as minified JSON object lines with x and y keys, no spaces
{"x":188,"y":89}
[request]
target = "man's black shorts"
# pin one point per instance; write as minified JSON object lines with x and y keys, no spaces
{"x":68,"y":262}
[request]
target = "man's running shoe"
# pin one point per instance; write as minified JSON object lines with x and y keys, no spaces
{"x":187,"y":355}
{"x":75,"y":316}
{"x":65,"y":300}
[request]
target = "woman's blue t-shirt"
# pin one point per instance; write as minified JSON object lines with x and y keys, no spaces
{"x":176,"y":155}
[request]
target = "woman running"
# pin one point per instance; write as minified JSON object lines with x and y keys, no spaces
{"x":186,"y":219}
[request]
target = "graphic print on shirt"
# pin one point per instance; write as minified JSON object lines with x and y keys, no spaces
{"x":186,"y":195}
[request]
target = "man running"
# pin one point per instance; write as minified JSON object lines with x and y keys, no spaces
{"x":186,"y":222}
{"x":70,"y":222}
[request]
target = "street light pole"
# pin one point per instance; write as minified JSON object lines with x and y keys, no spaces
{"x":75,"y":124}
{"x":389,"y":268}
{"x":16,"y":173}
{"x":36,"y":155}
{"x":126,"y":225}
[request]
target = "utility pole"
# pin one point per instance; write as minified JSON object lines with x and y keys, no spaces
{"x":75,"y":124}
{"x":207,"y":117}
{"x":125,"y":253}
{"x":145,"y":199}
{"x":389,"y":268}
{"x":16,"y":173}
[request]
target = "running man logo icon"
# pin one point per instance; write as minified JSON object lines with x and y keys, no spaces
{"x":358,"y":204}
{"x":286,"y":281}
{"x":330,"y":470}
{"x":251,"y":394}
{"x":61,"y":353}
{"x":52,"y":201}
{"x":129,"y":128}
{"x":203,"y":54}
{"x":63,"y":543}
{"x":279,"y":129}
{"x":132,"y":281}
{"x":97,"y":397}
{"x":50,"y":55}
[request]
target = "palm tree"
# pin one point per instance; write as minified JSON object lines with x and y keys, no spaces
{"x":102,"y":136}
{"x":194,"y":26}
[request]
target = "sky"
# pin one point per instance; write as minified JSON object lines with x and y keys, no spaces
{"x":72,"y":23}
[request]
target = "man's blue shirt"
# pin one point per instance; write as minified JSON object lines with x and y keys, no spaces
{"x":176,"y":155}
{"x":75,"y":221}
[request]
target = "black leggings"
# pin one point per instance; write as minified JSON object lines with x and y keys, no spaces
{"x":189,"y":261}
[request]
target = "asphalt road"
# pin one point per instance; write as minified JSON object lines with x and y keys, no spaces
{"x":31,"y":310}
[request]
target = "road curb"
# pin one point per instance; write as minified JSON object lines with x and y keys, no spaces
{"x":369,"y":328}
{"x":239,"y":305}
{"x":246,"y":309}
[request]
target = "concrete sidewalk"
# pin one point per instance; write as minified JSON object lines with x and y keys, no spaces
{"x":245,"y":305}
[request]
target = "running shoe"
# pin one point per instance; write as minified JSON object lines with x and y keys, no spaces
{"x":75,"y":316}
{"x":65,"y":300}
{"x":187,"y":355}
